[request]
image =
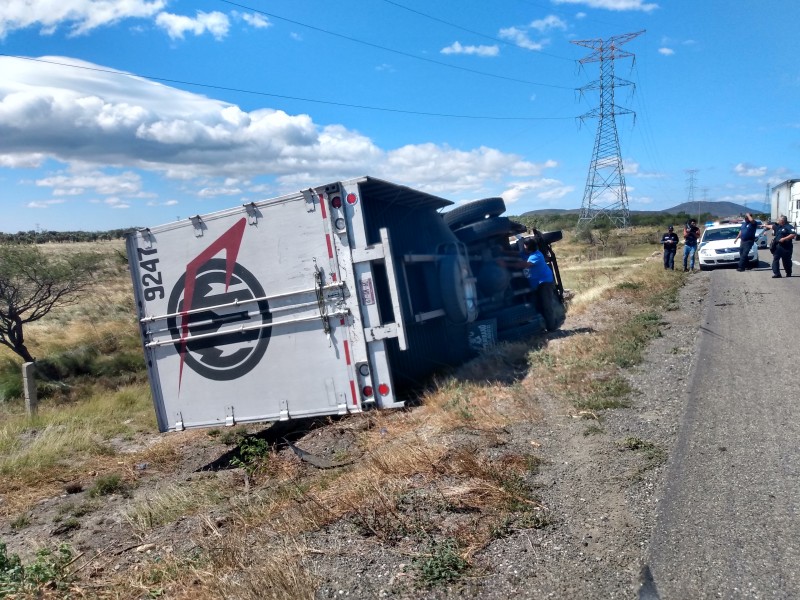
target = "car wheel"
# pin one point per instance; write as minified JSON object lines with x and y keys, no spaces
{"x":704,"y":268}
{"x":474,"y":212}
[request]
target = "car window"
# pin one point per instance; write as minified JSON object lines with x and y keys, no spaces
{"x":714,"y":235}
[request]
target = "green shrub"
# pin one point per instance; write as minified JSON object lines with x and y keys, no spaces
{"x":105,"y":485}
{"x":11,"y":382}
{"x":47,"y":572}
{"x":119,"y":364}
{"x":443,"y":565}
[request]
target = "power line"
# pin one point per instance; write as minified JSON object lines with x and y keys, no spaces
{"x":478,"y":33}
{"x":281,"y":96}
{"x":400,"y":52}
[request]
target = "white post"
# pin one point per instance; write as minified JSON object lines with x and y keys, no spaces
{"x":29,"y":385}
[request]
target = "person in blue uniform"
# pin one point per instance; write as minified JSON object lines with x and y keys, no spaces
{"x":782,"y":246}
{"x":670,"y":242}
{"x":747,"y":237}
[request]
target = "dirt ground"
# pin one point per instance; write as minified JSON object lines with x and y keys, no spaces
{"x":598,"y":481}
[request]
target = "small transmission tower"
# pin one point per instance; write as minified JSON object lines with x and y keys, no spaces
{"x":692,"y":174}
{"x":605,"y":192}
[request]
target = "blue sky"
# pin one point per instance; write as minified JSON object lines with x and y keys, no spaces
{"x":223,"y":103}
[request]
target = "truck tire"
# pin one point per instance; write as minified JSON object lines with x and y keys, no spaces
{"x":466,"y":214}
{"x":523,"y":332}
{"x":488,"y":228}
{"x":551,"y":237}
{"x":492,"y":278}
{"x":459,"y":295}
{"x":513,"y":315}
{"x":550,"y":306}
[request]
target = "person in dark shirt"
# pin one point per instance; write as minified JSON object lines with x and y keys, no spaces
{"x":691,"y":233}
{"x":670,"y":242}
{"x":782,"y":246}
{"x":747,"y":235}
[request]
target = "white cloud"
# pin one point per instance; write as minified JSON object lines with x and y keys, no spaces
{"x":22,"y":160}
{"x":745,"y":170}
{"x":116,"y":203}
{"x":548,"y":23}
{"x":43,"y":203}
{"x":256,"y":20}
{"x":457,"y":48}
{"x":618,"y":5}
{"x":80,"y":16}
{"x":214,"y":192}
{"x":103,"y":126}
{"x":100,"y":183}
{"x":520,"y":38}
{"x":666,"y":51}
{"x":215,"y":23}
{"x":548,"y":190}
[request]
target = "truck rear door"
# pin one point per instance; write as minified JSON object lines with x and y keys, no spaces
{"x":245,"y":316}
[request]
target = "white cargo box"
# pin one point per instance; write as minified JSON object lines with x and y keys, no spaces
{"x":297,"y":306}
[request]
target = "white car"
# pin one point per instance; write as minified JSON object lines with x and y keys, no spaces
{"x":717,"y":247}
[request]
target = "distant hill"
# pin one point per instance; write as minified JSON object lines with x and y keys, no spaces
{"x":717,"y":209}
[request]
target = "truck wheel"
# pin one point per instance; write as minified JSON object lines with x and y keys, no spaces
{"x":473,"y":212}
{"x":492,"y":227}
{"x":492,"y":278}
{"x":459,"y":294}
{"x":551,"y":237}
{"x":522,"y":332}
{"x":550,"y":306}
{"x":513,"y":315}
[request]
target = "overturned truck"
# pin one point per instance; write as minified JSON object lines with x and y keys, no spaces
{"x":328,"y":301}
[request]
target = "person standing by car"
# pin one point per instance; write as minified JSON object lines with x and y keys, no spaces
{"x":747,"y":237}
{"x":782,"y":245}
{"x":670,"y":242}
{"x":691,"y":233}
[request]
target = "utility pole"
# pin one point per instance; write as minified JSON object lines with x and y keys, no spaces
{"x":605,"y":193}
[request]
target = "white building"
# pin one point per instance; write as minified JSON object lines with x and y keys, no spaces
{"x":785,"y":200}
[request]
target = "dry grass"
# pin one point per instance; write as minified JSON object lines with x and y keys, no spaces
{"x":434,"y":455}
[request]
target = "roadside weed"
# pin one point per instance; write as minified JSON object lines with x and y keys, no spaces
{"x":443,"y":565}
{"x":47,"y":572}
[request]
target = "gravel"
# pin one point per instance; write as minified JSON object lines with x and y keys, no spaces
{"x":601,"y":497}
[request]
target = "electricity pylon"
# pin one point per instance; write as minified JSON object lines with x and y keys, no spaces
{"x":690,"y":190}
{"x":605,"y":193}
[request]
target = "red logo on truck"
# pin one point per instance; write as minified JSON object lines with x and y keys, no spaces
{"x":221,"y":323}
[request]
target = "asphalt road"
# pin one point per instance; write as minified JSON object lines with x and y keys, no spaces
{"x":729,"y":522}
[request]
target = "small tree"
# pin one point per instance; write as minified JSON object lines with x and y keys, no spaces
{"x":32,"y":284}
